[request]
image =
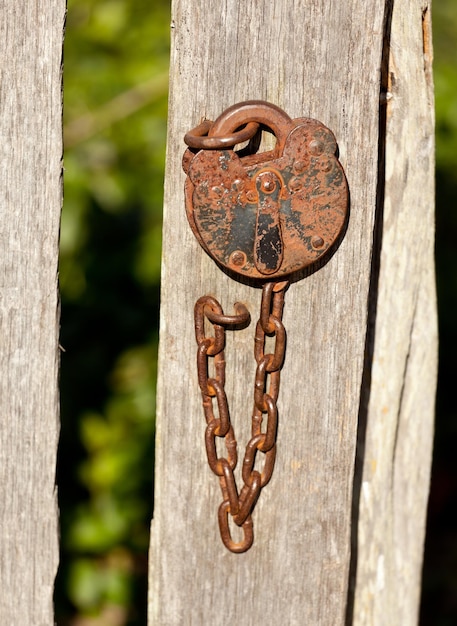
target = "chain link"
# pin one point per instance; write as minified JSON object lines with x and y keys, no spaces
{"x":217,"y":414}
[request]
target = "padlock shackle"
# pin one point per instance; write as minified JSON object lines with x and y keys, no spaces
{"x":258,"y":111}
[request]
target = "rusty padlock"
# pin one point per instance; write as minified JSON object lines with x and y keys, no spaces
{"x":265,"y":215}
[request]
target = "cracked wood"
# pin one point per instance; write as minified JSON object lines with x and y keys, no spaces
{"x":348,"y":381}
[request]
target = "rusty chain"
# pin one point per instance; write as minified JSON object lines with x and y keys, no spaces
{"x":266,"y":389}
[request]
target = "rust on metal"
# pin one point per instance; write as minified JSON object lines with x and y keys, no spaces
{"x":198,"y":137}
{"x":266,"y":389}
{"x":266,"y":214}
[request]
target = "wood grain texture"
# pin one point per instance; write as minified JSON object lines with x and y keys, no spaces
{"x":314,"y":59}
{"x":30,"y":200}
{"x":398,"y":441}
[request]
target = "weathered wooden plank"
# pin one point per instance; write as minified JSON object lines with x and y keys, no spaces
{"x":315,"y":59}
{"x":398,"y":441}
{"x":30,"y":200}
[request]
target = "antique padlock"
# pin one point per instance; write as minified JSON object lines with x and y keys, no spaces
{"x":267,"y":217}
{"x":270,"y":214}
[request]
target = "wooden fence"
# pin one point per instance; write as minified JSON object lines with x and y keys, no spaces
{"x":340,"y":528}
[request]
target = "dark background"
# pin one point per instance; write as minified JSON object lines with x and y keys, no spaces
{"x":116,"y":68}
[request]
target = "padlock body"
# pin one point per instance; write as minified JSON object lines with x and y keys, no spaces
{"x":266,"y":217}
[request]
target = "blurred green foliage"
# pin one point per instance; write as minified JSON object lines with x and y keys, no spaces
{"x":445,"y":48}
{"x":116,"y":81}
{"x":116,"y":67}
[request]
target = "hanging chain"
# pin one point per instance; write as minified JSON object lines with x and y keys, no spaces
{"x":266,"y":390}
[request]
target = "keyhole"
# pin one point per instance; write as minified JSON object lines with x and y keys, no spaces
{"x":268,"y":245}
